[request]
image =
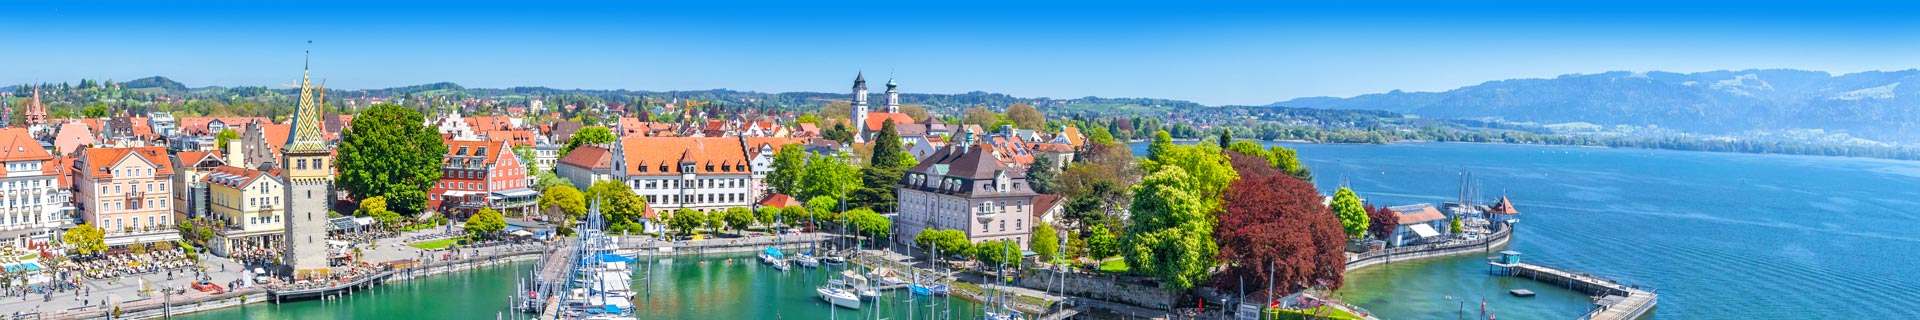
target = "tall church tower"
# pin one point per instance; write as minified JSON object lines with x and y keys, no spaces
{"x":893,"y":96}
{"x":36,"y":113}
{"x":859,"y":117}
{"x":307,"y":167}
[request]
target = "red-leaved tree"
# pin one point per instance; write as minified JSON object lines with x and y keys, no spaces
{"x":1381,"y":221}
{"x":1274,"y":226}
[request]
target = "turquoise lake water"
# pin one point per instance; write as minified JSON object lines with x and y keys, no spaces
{"x":1722,"y":235}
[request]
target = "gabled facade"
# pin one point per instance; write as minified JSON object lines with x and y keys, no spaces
{"x":481,"y":174}
{"x":246,"y":209}
{"x":963,"y":187}
{"x":126,"y":193}
{"x":30,"y":189}
{"x":706,"y":174}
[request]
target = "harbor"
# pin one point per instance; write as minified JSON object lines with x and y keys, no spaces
{"x":1612,"y":300}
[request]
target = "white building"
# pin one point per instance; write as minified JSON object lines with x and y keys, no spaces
{"x":30,"y":186}
{"x":706,"y":174}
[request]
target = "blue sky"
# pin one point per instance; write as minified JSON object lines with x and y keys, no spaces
{"x":1205,"y":51}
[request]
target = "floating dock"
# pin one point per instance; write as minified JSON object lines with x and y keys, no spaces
{"x":1614,"y":301}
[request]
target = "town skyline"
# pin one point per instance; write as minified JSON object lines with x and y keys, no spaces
{"x":1219,"y":55}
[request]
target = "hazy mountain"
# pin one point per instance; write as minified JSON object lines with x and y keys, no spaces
{"x":1876,"y":105}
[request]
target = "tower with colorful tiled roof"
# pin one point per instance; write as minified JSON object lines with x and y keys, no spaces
{"x":307,"y":161}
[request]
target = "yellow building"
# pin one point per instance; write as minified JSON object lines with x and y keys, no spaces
{"x":246,"y":208}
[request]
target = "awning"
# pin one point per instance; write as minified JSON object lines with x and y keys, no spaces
{"x":517,"y":192}
{"x":1424,"y":231}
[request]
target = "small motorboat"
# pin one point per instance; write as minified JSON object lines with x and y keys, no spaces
{"x":833,"y":260}
{"x":782,"y":265}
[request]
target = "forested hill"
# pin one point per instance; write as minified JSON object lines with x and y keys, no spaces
{"x":1876,"y":105}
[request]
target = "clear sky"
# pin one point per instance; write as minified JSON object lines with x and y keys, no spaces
{"x":1204,"y":51}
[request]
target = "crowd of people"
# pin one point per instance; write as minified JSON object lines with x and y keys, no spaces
{"x":121,"y":265}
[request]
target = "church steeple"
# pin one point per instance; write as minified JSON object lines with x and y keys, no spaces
{"x":307,"y":136}
{"x":893,"y":96}
{"x":858,"y":120}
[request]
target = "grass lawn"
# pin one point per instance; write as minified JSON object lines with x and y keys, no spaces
{"x":1114,"y":266}
{"x":434,"y":245}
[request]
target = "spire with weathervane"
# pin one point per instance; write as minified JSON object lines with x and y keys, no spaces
{"x":306,"y":164}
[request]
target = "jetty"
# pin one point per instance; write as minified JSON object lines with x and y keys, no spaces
{"x":1613,"y":300}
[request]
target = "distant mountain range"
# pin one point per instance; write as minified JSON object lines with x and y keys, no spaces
{"x":1875,"y":105}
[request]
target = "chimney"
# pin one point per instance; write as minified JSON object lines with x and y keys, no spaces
{"x":1006,"y":129}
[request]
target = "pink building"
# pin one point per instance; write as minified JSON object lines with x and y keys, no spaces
{"x":125,"y":192}
{"x":964,"y":187}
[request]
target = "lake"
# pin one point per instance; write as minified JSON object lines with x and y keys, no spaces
{"x":1721,"y":235}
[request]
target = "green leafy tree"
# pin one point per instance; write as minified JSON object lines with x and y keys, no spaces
{"x":1161,"y":141}
{"x":1101,"y":243}
{"x":981,"y":116}
{"x":1045,"y":242}
{"x":739,"y":218}
{"x":371,"y":206}
{"x":998,"y":253}
{"x":619,"y":206}
{"x":1205,"y":168}
{"x":85,"y":239}
{"x":595,"y":135}
{"x":1288,"y":161}
{"x":824,"y":208}
{"x":795,"y":215}
{"x":788,"y":165}
{"x":766,"y":215}
{"x":1024,"y":116}
{"x":870,"y":224}
{"x":485,"y":224}
{"x":546,"y":179}
{"x":829,"y":176}
{"x":220,"y":140}
{"x":1352,"y":213}
{"x":716,"y":220}
{"x":1456,"y":225}
{"x":389,"y":218}
{"x":391,"y":153}
{"x":839,"y":132}
{"x":1170,"y":236}
{"x":1226,"y":138}
{"x":686,"y":220}
{"x":568,"y":199}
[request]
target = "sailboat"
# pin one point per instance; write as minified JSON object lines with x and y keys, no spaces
{"x":840,"y":292}
{"x":806,"y":260}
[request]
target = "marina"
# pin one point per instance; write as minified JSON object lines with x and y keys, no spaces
{"x":1612,"y":300}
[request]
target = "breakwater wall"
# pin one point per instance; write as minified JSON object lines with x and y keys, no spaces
{"x":1499,"y":238}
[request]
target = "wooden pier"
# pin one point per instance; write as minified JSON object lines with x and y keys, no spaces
{"x":1614,"y":301}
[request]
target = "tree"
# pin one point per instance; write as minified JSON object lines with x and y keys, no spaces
{"x":1171,"y":231}
{"x":485,"y":223}
{"x":824,"y":208}
{"x":371,"y":206}
{"x":1204,"y":166}
{"x":619,"y":206}
{"x":686,"y":220}
{"x":716,"y":220}
{"x":389,"y":218}
{"x":226,"y":135}
{"x":1381,"y":221}
{"x":980,"y":116}
{"x":788,"y":164}
{"x":1353,"y":217}
{"x":1455,"y":227}
{"x":1274,"y":227}
{"x":1226,"y":138}
{"x":595,"y":135}
{"x":568,"y":199}
{"x":1161,"y":141}
{"x":1024,"y":116}
{"x":869,"y":223}
{"x":839,"y":132}
{"x":739,"y":218}
{"x":85,"y":239}
{"x":1040,"y":174}
{"x":1288,"y":160}
{"x":795,"y":214}
{"x":766,"y":215}
{"x":997,"y":253}
{"x":390,"y":153}
{"x":917,"y":112}
{"x":886,"y":147}
{"x":829,"y":176}
{"x":1045,"y":242}
{"x":950,"y":242}
{"x":1102,"y":244}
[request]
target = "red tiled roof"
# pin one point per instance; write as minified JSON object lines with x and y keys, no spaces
{"x":876,"y":120}
{"x":490,"y":152}
{"x":193,"y":158}
{"x":590,"y":157}
{"x":779,"y":200}
{"x":1045,"y":202}
{"x":708,"y":155}
{"x":1505,"y":207}
{"x":107,"y":157}
{"x":1421,"y":215}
